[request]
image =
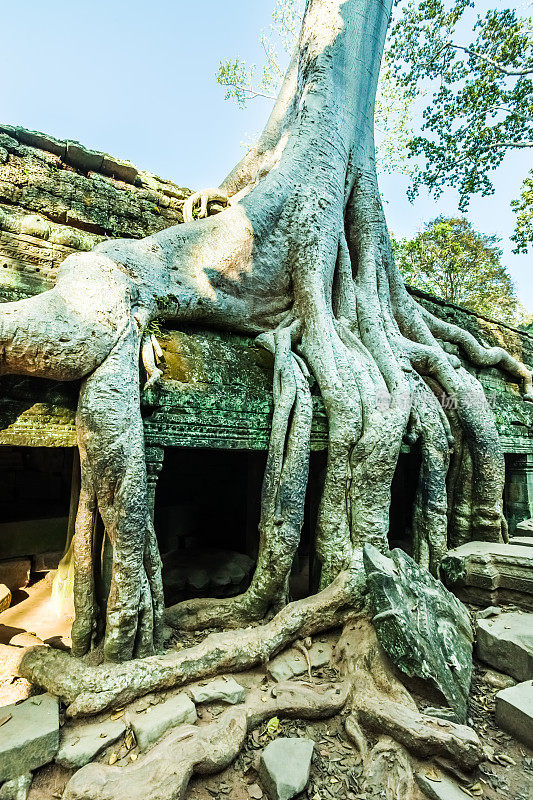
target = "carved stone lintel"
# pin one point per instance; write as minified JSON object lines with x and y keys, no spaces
{"x":486,"y":573}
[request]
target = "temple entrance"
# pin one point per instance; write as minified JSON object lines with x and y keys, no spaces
{"x":207,"y":508}
{"x":403,"y":493}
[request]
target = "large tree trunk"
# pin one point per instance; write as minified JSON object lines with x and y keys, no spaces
{"x":301,"y":258}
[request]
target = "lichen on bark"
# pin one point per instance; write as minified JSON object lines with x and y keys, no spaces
{"x":301,"y":258}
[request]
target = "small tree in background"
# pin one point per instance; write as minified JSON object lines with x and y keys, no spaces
{"x":452,"y":260}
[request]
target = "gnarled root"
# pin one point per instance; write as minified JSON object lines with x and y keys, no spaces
{"x":199,"y":202}
{"x":164,"y":772}
{"x":89,"y":690}
{"x":382,"y":705}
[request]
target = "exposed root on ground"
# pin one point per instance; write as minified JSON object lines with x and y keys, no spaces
{"x":382,"y":705}
{"x":165,"y":771}
{"x":88,"y":689}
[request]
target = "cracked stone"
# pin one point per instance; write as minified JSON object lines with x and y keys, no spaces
{"x":5,"y":597}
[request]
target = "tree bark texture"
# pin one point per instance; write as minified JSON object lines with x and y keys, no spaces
{"x":301,"y":258}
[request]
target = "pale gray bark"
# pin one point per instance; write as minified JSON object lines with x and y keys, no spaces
{"x":302,"y":258}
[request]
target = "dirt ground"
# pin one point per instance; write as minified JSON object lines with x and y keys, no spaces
{"x":336,"y":770}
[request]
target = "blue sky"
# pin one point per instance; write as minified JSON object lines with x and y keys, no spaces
{"x":137,"y":80}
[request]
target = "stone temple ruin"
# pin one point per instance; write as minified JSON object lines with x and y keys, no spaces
{"x":207,"y":426}
{"x":209,"y":418}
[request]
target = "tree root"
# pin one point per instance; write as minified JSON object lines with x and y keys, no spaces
{"x":89,"y":689}
{"x":382,"y":705}
{"x":165,"y":771}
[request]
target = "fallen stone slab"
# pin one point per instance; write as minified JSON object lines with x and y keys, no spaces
{"x":79,"y":744}
{"x":16,"y":789}
{"x":438,"y":786}
{"x":521,"y":541}
{"x":285,"y":766}
{"x":514,"y":711}
{"x":5,"y":597}
{"x":225,"y":690}
{"x":505,"y":642}
{"x":423,"y":628}
{"x":293,"y":662}
{"x":487,"y":573}
{"x":149,"y":725}
{"x":30,"y":736}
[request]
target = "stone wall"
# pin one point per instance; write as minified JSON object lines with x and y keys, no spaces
{"x":57,"y":197}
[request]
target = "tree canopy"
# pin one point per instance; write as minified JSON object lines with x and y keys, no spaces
{"x":452,"y":260}
{"x":481,"y":96}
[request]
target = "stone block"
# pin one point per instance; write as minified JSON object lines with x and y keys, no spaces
{"x":30,"y":737}
{"x":15,"y":573}
{"x":293,"y":662}
{"x":148,"y":726}
{"x":521,"y":541}
{"x":524,"y":528}
{"x":505,"y":642}
{"x":285,"y":766}
{"x":440,"y":789}
{"x":225,"y":690}
{"x":487,"y":573}
{"x":5,"y":597}
{"x":80,"y":743}
{"x":514,"y":711}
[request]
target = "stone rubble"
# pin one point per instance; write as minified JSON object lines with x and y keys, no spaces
{"x":491,"y":611}
{"x":148,"y":726}
{"x":506,"y":643}
{"x":30,"y":736}
{"x":514,"y":711}
{"x":225,"y":690}
{"x":285,"y":766}
{"x":81,"y":743}
{"x":16,"y":789}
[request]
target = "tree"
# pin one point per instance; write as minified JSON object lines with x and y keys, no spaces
{"x":481,"y":108}
{"x":301,"y":259}
{"x":453,"y":261}
{"x":393,"y":106}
